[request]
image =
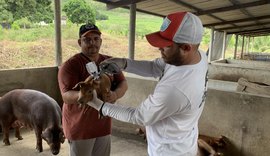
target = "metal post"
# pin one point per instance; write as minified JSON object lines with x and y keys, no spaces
{"x":243,"y":44}
{"x":235,"y":47}
{"x":252,"y":48}
{"x":211,"y":45}
{"x":57,"y":28}
{"x":224,"y":44}
{"x":248,"y":44}
{"x":132,"y":27}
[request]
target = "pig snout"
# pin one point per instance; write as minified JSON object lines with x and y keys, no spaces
{"x":55,"y":148}
{"x":55,"y":151}
{"x":54,"y":137}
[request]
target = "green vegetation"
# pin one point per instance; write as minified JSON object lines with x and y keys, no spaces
{"x":29,"y":45}
{"x":78,"y":11}
{"x":34,"y":10}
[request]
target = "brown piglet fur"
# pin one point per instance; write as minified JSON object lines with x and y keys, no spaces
{"x":102,"y":85}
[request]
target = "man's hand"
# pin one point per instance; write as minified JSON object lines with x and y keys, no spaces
{"x":120,"y":62}
{"x":112,"y":97}
{"x":95,"y":103}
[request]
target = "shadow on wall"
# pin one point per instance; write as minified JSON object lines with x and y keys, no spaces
{"x":10,"y":86}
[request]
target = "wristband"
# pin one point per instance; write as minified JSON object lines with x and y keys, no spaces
{"x":100,"y":111}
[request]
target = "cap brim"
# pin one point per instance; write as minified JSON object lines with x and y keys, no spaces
{"x":95,"y":31}
{"x":156,"y":40}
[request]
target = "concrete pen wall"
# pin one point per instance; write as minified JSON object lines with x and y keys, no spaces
{"x":242,"y":117}
{"x":43,"y":79}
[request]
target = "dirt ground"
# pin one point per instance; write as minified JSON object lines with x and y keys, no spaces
{"x":124,"y":143}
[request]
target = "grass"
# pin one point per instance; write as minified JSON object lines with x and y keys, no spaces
{"x":119,"y":25}
{"x":35,"y":47}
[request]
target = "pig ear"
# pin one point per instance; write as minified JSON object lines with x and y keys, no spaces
{"x":89,"y":79}
{"x":62,"y":137}
{"x":80,"y":84}
{"x":45,"y":135}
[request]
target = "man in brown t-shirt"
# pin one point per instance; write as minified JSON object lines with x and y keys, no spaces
{"x":87,"y":134}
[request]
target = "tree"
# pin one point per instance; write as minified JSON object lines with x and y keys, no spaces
{"x":43,"y":12}
{"x":78,"y":11}
{"x":34,"y":10}
{"x":5,"y":15}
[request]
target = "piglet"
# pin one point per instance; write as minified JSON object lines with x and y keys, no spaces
{"x":36,"y":110}
{"x":101,"y":85}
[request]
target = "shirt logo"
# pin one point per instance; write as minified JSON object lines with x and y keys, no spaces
{"x":165,"y":24}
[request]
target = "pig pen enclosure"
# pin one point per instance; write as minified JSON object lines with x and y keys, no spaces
{"x":237,"y":103}
{"x":242,"y":117}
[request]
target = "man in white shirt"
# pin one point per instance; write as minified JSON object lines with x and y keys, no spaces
{"x":171,"y":113}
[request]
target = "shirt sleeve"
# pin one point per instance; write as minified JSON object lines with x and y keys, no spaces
{"x":146,"y":68}
{"x":165,"y":102}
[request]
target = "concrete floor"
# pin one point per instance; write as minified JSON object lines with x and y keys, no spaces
{"x":124,"y":143}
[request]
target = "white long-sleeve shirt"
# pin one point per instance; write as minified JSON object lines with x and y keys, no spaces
{"x":171,"y":113}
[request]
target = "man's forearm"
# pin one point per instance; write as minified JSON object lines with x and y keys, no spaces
{"x":70,"y":97}
{"x":121,"y":89}
{"x":145,"y":68}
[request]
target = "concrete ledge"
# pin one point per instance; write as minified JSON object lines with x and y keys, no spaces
{"x":43,"y":79}
{"x":264,"y":65}
{"x":232,"y":70}
{"x":222,"y":85}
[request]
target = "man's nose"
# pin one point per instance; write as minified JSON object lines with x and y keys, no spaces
{"x":91,"y":42}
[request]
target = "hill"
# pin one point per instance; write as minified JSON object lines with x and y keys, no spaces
{"x":35,"y":47}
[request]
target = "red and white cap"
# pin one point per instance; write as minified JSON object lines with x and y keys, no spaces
{"x":179,"y":27}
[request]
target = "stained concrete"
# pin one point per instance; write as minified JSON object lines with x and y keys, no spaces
{"x":125,"y":142}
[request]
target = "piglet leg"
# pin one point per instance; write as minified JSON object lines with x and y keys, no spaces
{"x":17,"y":125}
{"x":17,"y":133}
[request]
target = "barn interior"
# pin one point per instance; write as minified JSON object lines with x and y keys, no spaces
{"x":238,"y":100}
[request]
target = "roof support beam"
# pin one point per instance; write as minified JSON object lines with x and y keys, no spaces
{"x":252,"y":31}
{"x":242,"y":26}
{"x":237,"y":21}
{"x":260,"y":34}
{"x":234,"y":7}
{"x":244,"y":11}
{"x":121,"y":3}
{"x":194,"y":8}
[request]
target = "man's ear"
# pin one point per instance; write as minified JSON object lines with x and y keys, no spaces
{"x":79,"y":42}
{"x":185,"y":47}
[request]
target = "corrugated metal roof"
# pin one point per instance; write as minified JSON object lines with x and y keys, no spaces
{"x":243,"y":17}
